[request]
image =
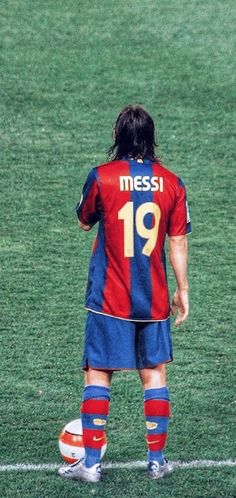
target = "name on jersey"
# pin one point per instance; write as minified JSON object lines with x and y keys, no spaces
{"x":142,"y":183}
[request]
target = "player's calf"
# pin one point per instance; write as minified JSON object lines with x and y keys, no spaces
{"x":157,"y":413}
{"x":94,"y":413}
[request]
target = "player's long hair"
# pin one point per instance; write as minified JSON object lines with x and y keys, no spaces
{"x":134,"y":135}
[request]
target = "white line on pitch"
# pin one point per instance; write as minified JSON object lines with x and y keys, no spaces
{"x":119,"y":465}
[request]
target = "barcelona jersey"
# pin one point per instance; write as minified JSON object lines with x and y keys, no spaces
{"x":136,"y":204}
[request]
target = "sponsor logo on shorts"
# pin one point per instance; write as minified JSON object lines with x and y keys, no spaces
{"x":99,"y":421}
{"x":151,"y":425}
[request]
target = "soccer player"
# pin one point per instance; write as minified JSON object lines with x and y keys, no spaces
{"x":137,"y":202}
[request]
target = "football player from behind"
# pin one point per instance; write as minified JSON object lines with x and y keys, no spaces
{"x":136,"y":203}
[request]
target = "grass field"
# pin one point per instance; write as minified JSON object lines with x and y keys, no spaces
{"x":66,"y":70}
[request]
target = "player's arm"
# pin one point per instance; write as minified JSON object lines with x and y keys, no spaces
{"x":88,"y":209}
{"x":178,"y":253}
{"x":179,"y":226}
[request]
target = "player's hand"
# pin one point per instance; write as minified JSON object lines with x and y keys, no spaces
{"x":180,"y":303}
{"x":84,"y":227}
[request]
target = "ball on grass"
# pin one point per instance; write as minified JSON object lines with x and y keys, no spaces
{"x":71,"y":442}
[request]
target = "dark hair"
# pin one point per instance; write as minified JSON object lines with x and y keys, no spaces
{"x":134,"y":135}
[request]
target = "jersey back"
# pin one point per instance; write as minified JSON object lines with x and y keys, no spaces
{"x":136,"y":204}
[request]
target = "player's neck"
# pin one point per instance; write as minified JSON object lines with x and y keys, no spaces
{"x":138,"y":159}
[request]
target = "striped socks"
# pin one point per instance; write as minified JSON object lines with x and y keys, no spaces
{"x":157,"y":413}
{"x":94,"y":413}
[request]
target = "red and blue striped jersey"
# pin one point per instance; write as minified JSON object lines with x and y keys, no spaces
{"x":136,"y":204}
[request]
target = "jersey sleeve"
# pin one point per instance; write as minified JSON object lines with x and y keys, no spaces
{"x":179,"y":222}
{"x":88,"y":209}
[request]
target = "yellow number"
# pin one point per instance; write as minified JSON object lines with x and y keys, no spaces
{"x":148,"y":233}
{"x":126,"y":213}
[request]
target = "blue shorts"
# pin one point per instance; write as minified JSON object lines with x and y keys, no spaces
{"x":115,"y":344}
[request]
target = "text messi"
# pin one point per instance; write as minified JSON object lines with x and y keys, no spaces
{"x":145,"y":183}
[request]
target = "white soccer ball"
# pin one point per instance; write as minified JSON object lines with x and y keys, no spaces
{"x":71,"y":442}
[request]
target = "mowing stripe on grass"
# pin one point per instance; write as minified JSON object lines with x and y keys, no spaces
{"x":119,"y":465}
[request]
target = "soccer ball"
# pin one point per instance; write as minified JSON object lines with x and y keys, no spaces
{"x":71,"y":442}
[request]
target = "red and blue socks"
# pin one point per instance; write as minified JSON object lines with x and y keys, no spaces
{"x":157,"y":414}
{"x":94,"y":413}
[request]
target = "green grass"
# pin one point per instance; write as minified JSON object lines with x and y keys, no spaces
{"x":66,"y":70}
{"x":133,"y":484}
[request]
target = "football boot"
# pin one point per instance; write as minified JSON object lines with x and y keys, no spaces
{"x":156,"y":471}
{"x":79,"y":472}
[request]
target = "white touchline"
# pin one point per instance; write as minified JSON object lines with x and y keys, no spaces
{"x":119,"y":465}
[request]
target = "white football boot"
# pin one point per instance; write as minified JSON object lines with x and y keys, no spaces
{"x":79,"y":472}
{"x":156,"y":471}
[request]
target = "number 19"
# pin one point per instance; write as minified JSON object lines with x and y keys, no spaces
{"x":126,"y":213}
